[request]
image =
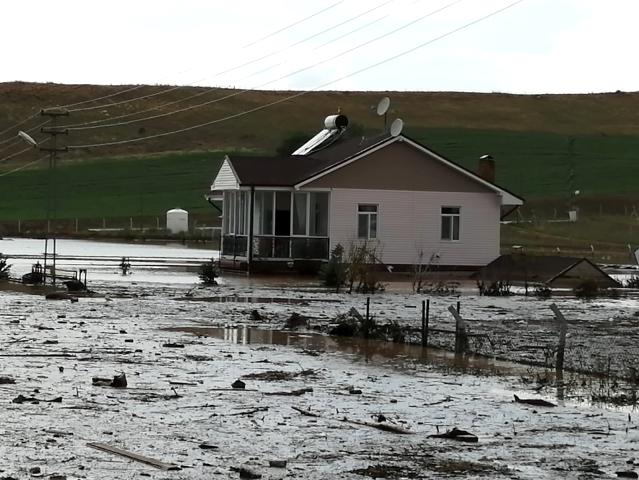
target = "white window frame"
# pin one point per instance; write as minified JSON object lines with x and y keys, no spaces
{"x":368,"y":220}
{"x":454,"y":217}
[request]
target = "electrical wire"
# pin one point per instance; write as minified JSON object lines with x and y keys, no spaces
{"x":136,"y":87}
{"x":296,"y":72}
{"x":300,"y":94}
{"x":13,"y":155}
{"x":22,"y":167}
{"x":272,"y":34}
{"x":223,"y":72}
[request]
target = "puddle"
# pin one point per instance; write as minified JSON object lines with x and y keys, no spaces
{"x":359,"y":349}
{"x":278,"y":300}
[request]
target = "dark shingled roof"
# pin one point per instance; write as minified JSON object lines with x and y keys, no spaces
{"x":288,"y":171}
{"x":538,"y":269}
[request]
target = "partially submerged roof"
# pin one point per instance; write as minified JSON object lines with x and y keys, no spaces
{"x":556,"y":271}
{"x":298,"y":170}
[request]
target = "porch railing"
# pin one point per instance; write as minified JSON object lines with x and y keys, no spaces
{"x":306,"y":248}
{"x":234,"y":245}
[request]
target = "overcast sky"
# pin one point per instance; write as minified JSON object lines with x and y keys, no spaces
{"x":537,"y":46}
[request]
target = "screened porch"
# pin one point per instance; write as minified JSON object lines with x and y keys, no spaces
{"x":281,"y":225}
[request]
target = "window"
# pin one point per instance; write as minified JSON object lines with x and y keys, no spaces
{"x":366,"y":221}
{"x":263,"y":220}
{"x":450,"y":223}
{"x":318,"y":214}
{"x":300,"y":201}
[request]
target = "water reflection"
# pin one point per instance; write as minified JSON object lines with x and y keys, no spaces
{"x":360,"y":349}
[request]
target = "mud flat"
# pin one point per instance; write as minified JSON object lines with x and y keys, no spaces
{"x":307,"y":410}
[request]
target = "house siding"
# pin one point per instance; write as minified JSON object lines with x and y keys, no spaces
{"x":400,"y":166}
{"x":410,"y":221}
{"x":225,"y":179}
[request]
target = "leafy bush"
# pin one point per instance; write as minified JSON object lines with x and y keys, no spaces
{"x":498,"y":288}
{"x":5,"y":268}
{"x":543,"y":291}
{"x":209,"y":271}
{"x":363,"y":269}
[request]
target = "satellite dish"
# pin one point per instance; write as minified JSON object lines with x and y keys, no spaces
{"x":396,"y":127}
{"x":27,"y":138}
{"x":382,"y":106}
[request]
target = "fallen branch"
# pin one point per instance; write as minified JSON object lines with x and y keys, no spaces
{"x":306,"y":413}
{"x":538,"y":402}
{"x":386,"y":427}
{"x":294,"y":393}
{"x":133,"y":456}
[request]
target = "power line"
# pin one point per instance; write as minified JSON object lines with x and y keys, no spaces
{"x":300,"y":94}
{"x":130,"y":89}
{"x":236,"y":67}
{"x":22,"y":167}
{"x":13,"y":155}
{"x":272,"y":34}
{"x":290,"y":74}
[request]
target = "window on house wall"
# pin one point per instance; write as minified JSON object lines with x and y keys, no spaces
{"x":300,"y":205}
{"x":450,"y":223}
{"x":242,"y":210}
{"x":367,"y":221}
{"x":230,"y":213}
{"x":263,"y":221}
{"x":318,"y":214}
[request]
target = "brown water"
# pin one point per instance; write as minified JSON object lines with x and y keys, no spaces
{"x":247,"y":299}
{"x":361,"y":349}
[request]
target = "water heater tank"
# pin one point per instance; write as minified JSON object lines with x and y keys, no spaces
{"x":177,"y":220}
{"x":336,"y":122}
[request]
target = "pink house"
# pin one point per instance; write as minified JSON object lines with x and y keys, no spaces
{"x":288,"y":213}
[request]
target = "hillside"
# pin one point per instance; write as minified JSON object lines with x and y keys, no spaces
{"x":614,"y":114}
{"x":546,"y":146}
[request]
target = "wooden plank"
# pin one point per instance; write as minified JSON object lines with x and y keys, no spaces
{"x":133,"y":456}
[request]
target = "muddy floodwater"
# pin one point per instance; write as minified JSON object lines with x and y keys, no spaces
{"x":312,"y":404}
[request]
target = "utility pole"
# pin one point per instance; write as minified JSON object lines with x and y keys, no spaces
{"x":51,"y":211}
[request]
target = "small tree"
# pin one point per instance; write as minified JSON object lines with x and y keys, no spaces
{"x":5,"y":268}
{"x":209,"y":271}
{"x":333,"y":274}
{"x":363,"y":268}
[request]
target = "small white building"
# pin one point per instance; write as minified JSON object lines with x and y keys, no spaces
{"x":177,"y":220}
{"x":388,"y":190}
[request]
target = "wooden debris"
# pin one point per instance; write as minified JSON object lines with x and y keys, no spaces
{"x":173,"y":345}
{"x":294,"y":393}
{"x":627,"y":474}
{"x":118,"y":381}
{"x":386,"y":427}
{"x":7,"y":381}
{"x":22,"y":399}
{"x":307,"y":413}
{"x":537,"y":402}
{"x":457,"y":434}
{"x":238,"y":384}
{"x":277,"y":463}
{"x":246,"y":472}
{"x":208,"y":446}
{"x":133,"y":456}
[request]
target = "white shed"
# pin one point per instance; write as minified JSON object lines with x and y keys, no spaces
{"x":177,"y":220}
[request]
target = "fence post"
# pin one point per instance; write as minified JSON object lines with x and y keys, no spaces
{"x":368,"y":306}
{"x":461,"y":341}
{"x":425,"y":315}
{"x":561,"y":347}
